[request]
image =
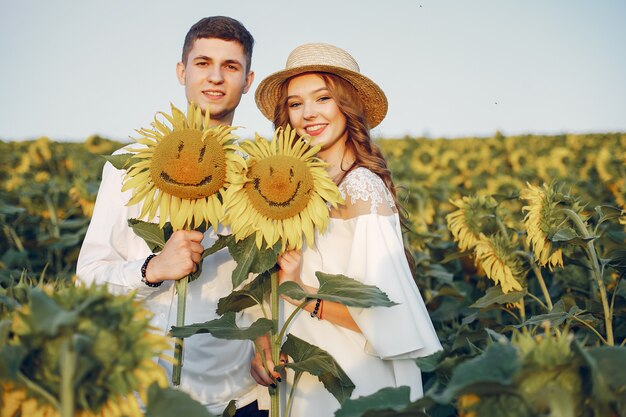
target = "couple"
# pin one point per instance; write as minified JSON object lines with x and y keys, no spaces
{"x":322,"y":94}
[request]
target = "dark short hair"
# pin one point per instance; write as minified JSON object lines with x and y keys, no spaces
{"x":220,"y":27}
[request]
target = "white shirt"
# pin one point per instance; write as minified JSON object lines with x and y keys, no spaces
{"x":215,"y":371}
{"x":367,"y":247}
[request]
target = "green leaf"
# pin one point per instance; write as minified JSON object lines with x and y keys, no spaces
{"x":225,"y":328}
{"x":494,"y":295}
{"x":318,"y":362}
{"x":350,"y":292}
{"x":617,"y":260}
{"x":167,"y":402}
{"x":47,"y":316}
{"x":230,"y":409}
{"x":249,"y":258}
{"x":607,"y":213}
{"x":7,"y":209}
{"x":121,"y":161}
{"x":567,"y":235}
{"x":387,"y":399}
{"x":293,"y":290}
{"x":556,"y":317}
{"x":431,"y":362}
{"x":251,"y":294}
{"x":151,"y":233}
{"x":11,"y":358}
{"x":495,"y":367}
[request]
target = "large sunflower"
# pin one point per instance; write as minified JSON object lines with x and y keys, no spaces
{"x":183,"y":170}
{"x":106,"y":339}
{"x":282,"y":193}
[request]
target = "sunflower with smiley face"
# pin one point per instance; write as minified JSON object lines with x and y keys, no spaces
{"x":183,"y":170}
{"x":282,"y":193}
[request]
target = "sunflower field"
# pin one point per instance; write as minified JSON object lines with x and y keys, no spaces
{"x":520,"y":251}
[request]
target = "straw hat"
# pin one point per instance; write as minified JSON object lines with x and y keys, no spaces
{"x":322,"y":57}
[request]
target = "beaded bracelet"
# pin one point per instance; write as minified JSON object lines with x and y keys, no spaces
{"x":144,"y":268}
{"x":316,"y":309}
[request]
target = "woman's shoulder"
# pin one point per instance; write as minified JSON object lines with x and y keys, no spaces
{"x":364,"y":192}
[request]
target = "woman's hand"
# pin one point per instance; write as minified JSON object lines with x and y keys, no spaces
{"x":258,"y":371}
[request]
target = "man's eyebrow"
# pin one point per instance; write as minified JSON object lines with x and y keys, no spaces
{"x":207,"y":58}
{"x":314,"y":91}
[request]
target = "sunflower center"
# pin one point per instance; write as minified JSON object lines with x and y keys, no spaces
{"x":281,"y":186}
{"x":186,"y":166}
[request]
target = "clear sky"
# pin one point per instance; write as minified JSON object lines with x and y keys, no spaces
{"x":72,"y":68}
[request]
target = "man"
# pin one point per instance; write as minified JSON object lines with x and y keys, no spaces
{"x":215,"y":71}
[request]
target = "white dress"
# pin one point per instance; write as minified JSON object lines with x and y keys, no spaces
{"x":368,"y":247}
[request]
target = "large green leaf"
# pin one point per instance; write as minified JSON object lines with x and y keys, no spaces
{"x":494,"y":295}
{"x":250,"y":258}
{"x":121,"y":161}
{"x":383,"y":402}
{"x":167,"y":402}
{"x":431,"y":362}
{"x":318,"y":362}
{"x":251,"y":294}
{"x":488,"y":372}
{"x":350,"y":292}
{"x":293,"y":290}
{"x":225,"y":328}
{"x":151,"y":233}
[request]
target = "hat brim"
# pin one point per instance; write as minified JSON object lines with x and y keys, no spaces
{"x":268,"y":92}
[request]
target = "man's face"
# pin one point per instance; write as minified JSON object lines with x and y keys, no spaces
{"x":215,"y":77}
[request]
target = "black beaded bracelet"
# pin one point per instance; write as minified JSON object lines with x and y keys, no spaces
{"x":144,"y":267}
{"x":317,"y":307}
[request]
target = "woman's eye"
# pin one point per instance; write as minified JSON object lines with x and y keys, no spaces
{"x":324,"y":98}
{"x":293,"y":105}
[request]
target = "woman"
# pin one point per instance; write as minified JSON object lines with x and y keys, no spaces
{"x":322,"y":94}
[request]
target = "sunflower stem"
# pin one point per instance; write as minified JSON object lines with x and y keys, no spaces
{"x":292,"y":392}
{"x":539,"y":275}
{"x":292,"y":316}
{"x":502,"y":227}
{"x":181,"y":288}
{"x":597,"y":273}
{"x":67,"y":364}
{"x":275,"y":342}
{"x":534,"y":297}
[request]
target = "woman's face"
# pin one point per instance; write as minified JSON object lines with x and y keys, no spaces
{"x":314,"y":112}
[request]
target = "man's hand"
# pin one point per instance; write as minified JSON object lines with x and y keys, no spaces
{"x":180,"y":257}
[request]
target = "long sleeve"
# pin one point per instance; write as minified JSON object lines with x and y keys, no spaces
{"x":377,"y":258}
{"x":111,"y":253}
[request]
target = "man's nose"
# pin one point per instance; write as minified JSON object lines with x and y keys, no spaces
{"x":215,"y":75}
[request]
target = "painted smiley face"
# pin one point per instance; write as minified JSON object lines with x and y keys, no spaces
{"x":280,"y":187}
{"x":185,"y":166}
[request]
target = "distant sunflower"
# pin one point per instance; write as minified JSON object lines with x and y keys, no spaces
{"x":475,"y":215}
{"x":182,"y":171}
{"x":497,"y":258}
{"x":282,"y":194}
{"x":544,"y":219}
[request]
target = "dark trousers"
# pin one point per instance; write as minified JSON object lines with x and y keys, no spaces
{"x":251,"y":410}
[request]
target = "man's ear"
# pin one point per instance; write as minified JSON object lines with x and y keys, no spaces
{"x":249,"y":80}
{"x":180,"y":73}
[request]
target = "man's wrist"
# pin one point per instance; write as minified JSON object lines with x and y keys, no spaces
{"x":144,"y":270}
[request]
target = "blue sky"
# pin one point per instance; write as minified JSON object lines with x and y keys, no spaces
{"x":73,"y":68}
